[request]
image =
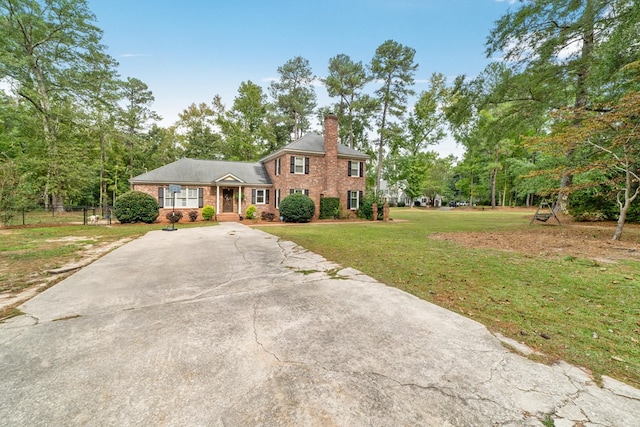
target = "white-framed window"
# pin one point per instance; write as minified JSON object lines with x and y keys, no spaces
{"x":298,"y":190}
{"x":355,"y":169}
{"x":299,"y":165}
{"x":278,"y":166}
{"x":277,"y":198}
{"x":260,"y":196}
{"x":353,"y":199}
{"x":188,"y":197}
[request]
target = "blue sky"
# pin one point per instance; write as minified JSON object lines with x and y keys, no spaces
{"x":188,"y":51}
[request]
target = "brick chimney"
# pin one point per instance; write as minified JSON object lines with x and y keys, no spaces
{"x":331,"y":155}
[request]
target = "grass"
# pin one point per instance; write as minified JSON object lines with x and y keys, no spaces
{"x":568,"y":308}
{"x":26,"y":254}
{"x":41,"y":217}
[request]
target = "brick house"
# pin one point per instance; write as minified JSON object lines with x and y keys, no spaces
{"x":314,"y":165}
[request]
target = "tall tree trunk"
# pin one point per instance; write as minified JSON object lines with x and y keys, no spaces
{"x":49,"y":135}
{"x":494,"y":175}
{"x":131,"y":158}
{"x":582,"y":94}
{"x":381,"y":147}
{"x":628,"y":198}
{"x":471,"y":189}
{"x":103,"y":190}
{"x":351,"y":126}
{"x":504,"y":193}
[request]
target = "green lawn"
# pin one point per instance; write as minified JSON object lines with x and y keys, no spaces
{"x":567,"y":308}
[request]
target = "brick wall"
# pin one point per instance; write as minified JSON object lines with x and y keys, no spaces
{"x":328,"y":175}
{"x":209,"y":198}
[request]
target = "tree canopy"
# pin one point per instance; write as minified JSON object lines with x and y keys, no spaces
{"x":554,"y":114}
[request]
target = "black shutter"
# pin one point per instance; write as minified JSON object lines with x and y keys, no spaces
{"x":349,"y":169}
{"x":161,"y":196}
{"x":291,"y":191}
{"x":200,"y":197}
{"x":253,"y":196}
{"x":348,"y":199}
{"x":306,"y":166}
{"x":359,"y":198}
{"x":266,"y":197}
{"x":293,"y":164}
{"x":306,"y":193}
{"x":361,"y":169}
{"x":278,"y":198}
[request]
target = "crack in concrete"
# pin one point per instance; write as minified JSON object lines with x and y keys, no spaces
{"x":255,"y":333}
{"x":22,"y":328}
{"x":444,"y":391}
{"x":241,"y":252}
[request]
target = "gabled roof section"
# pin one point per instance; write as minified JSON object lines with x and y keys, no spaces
{"x":230,"y":178}
{"x":205,"y":172}
{"x":313,"y":143}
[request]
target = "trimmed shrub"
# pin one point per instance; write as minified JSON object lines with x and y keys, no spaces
{"x":297,"y":207}
{"x":251,"y":212}
{"x":329,"y":207}
{"x":366,"y":206}
{"x":208,"y":212}
{"x":401,"y":204}
{"x":136,"y":206}
{"x":174,"y":216}
{"x":193,"y":215}
{"x":267,"y":216}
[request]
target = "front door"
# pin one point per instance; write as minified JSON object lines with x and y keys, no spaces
{"x":227,"y":200}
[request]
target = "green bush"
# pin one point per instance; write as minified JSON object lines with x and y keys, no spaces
{"x":208,"y":212}
{"x":297,"y":207}
{"x":136,"y":206}
{"x":173,"y":216}
{"x":329,"y":207}
{"x":251,"y":212}
{"x":366,"y":206}
{"x":599,"y":204}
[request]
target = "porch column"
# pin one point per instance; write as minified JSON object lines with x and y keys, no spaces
{"x":240,"y":200}
{"x":217,"y":199}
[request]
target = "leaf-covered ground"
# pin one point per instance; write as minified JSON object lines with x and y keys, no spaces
{"x":571,"y":239}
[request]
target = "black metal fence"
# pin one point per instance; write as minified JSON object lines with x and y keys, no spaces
{"x":68,"y":215}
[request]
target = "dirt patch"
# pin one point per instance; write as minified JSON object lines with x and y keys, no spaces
{"x":580,"y":240}
{"x":43,"y":280}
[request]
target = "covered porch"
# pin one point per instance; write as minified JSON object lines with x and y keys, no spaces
{"x":229,"y":192}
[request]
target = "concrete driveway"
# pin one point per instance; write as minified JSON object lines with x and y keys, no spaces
{"x":228,"y":326}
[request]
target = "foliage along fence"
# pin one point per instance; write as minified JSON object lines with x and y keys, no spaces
{"x":67,"y":215}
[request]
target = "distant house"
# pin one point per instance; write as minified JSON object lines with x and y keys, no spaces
{"x":314,"y":165}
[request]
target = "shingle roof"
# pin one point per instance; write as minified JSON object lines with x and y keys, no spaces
{"x":195,"y":171}
{"x":314,"y":143}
